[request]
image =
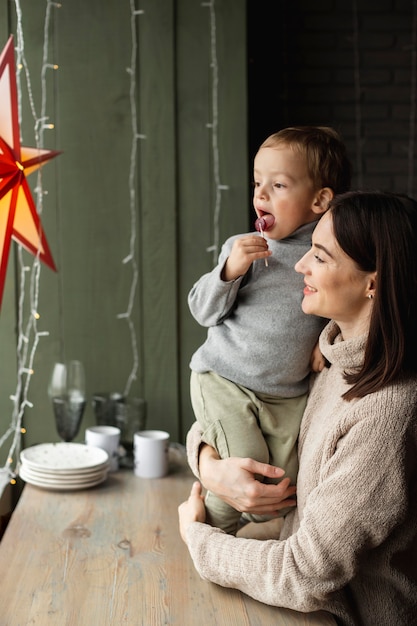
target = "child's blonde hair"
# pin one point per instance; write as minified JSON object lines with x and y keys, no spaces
{"x":325,"y":153}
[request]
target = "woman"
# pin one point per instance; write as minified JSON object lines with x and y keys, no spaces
{"x":350,"y":545}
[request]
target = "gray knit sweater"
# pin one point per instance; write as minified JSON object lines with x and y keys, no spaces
{"x":258,"y":335}
{"x":350,"y":547}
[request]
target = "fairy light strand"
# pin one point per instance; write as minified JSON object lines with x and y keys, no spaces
{"x":130,"y":259}
{"x":214,"y":126}
{"x":28,"y":334}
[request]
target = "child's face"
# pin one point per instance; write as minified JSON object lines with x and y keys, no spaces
{"x":284,"y":189}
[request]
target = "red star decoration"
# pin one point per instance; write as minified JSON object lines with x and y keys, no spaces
{"x":19,"y":218}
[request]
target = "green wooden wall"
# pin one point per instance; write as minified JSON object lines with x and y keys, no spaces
{"x":190,"y":66}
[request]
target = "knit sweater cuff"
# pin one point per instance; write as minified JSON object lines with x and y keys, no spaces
{"x":194,"y":441}
{"x":198,"y":542}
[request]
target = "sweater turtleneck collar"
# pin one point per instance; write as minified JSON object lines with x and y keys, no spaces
{"x":348,"y":354}
{"x":300,"y":236}
{"x":303,"y":233}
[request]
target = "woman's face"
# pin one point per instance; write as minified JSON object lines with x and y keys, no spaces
{"x":334,"y":287}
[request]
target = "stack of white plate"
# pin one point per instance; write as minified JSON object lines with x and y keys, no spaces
{"x":64,"y":466}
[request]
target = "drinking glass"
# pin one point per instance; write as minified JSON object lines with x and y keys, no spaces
{"x":67,"y":392}
{"x":130,"y":418}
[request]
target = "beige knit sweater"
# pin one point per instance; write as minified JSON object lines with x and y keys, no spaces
{"x":350,"y":547}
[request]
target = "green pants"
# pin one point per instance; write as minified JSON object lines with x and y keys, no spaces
{"x":237,"y":422}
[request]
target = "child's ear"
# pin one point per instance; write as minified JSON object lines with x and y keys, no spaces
{"x":322,"y":199}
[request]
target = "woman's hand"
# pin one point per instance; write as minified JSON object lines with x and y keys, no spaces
{"x":234,"y":481}
{"x":192,"y":510}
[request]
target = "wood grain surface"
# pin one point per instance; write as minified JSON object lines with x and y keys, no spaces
{"x":112,"y":555}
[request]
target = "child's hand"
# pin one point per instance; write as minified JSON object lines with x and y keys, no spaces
{"x":245,"y":251}
{"x":317,"y":360}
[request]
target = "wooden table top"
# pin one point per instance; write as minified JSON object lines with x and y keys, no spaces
{"x":112,"y":555}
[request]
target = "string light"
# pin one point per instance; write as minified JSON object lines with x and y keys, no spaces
{"x":214,"y":126}
{"x":28,"y":334}
{"x":26,"y":370}
{"x":131,"y":257}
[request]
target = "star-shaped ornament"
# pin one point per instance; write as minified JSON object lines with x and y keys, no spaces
{"x":19,"y":219}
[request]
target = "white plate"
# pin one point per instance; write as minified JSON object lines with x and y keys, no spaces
{"x":50,"y":477}
{"x":62,"y":486}
{"x":64,"y":457}
{"x":65,"y":474}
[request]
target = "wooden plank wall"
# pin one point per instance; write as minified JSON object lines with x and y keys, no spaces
{"x":86,"y":211}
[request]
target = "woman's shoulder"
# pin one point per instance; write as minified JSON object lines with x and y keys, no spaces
{"x":390,"y":413}
{"x":398,"y":395}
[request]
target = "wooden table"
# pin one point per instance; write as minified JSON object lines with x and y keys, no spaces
{"x":112,"y":555}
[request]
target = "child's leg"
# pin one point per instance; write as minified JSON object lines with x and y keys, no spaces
{"x":228,"y":416}
{"x":280,"y":420}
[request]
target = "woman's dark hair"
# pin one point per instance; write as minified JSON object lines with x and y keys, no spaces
{"x":378,"y":230}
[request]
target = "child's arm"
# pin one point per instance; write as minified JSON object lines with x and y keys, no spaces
{"x":214,"y":295}
{"x":317,"y":360}
{"x":244,"y":252}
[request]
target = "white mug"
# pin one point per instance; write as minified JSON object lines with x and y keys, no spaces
{"x":151,"y":453}
{"x":107,"y":438}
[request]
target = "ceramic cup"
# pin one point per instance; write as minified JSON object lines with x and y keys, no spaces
{"x":107,"y":438}
{"x":151,"y":453}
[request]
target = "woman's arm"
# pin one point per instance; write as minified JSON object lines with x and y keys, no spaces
{"x":233,"y":480}
{"x":354,"y":507}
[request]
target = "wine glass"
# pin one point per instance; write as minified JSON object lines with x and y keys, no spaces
{"x":67,"y":391}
